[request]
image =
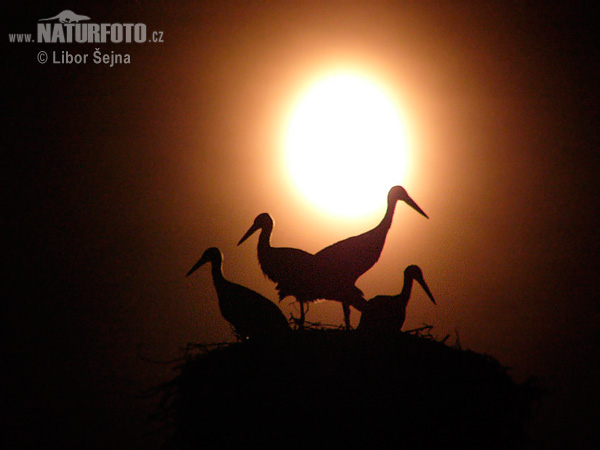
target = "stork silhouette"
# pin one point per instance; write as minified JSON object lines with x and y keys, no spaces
{"x":251,"y":315}
{"x":348,"y":259}
{"x":300,"y":274}
{"x":385,"y":314}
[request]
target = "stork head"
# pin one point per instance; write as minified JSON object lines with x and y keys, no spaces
{"x":262,"y":222}
{"x":416,"y":274}
{"x":212,"y":254}
{"x":398,"y":193}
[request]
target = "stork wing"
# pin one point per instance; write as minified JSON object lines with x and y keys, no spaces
{"x":352,"y":257}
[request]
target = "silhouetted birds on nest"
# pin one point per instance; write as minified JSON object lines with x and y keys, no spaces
{"x":251,"y":315}
{"x":330,"y":274}
{"x":301,"y":274}
{"x":402,"y":379}
{"x":385,"y":314}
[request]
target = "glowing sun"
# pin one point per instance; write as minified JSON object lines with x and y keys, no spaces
{"x":346,"y":145}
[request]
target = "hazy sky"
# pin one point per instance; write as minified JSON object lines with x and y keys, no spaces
{"x":118,"y":178}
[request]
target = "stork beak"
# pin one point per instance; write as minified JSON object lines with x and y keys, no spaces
{"x":252,"y":229}
{"x":410,"y":202}
{"x":421,"y":281}
{"x":200,"y":262}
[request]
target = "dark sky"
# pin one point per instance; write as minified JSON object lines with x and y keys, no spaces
{"x":116,"y":179}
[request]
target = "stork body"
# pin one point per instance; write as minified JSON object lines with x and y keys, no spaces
{"x":251,"y":315}
{"x":350,"y":258}
{"x":355,"y":255}
{"x":300,"y":274}
{"x":385,"y":314}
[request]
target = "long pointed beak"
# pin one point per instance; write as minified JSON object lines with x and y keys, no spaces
{"x":421,"y":281}
{"x":252,"y":229}
{"x":200,"y":262}
{"x":410,"y":202}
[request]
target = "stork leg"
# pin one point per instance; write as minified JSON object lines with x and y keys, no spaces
{"x":302,"y":316}
{"x":353,"y":299}
{"x":346,"y":307}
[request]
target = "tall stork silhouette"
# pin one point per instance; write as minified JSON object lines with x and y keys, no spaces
{"x":385,"y":314}
{"x":348,"y":259}
{"x":300,"y":274}
{"x":251,"y":315}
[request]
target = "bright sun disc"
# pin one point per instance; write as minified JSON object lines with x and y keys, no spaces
{"x":346,"y":145}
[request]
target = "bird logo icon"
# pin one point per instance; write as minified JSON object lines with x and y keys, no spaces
{"x":67,"y":16}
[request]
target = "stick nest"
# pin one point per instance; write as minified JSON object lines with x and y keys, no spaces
{"x":323,"y":387}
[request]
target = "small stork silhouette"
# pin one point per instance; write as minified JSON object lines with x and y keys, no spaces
{"x":385,"y":314}
{"x":300,"y":274}
{"x":352,"y":257}
{"x":251,"y":315}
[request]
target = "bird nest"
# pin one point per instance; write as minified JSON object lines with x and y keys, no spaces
{"x":338,"y":387}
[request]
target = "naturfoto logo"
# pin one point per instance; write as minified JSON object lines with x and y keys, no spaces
{"x":70,"y":27}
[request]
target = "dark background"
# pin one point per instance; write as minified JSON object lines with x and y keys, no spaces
{"x":117,"y":178}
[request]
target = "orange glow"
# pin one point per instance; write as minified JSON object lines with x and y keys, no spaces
{"x":346,"y":144}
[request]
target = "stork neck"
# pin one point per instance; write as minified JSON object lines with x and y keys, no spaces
{"x":217,"y":272}
{"x":264,"y":239}
{"x":406,"y":288}
{"x":386,"y":222}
